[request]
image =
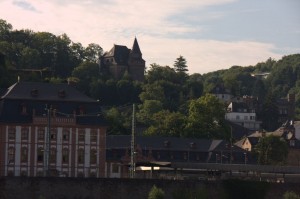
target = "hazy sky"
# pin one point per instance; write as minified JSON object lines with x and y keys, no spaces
{"x":210,"y":34}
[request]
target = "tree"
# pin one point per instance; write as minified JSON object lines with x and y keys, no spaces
{"x":156,"y":193}
{"x":166,"y":123}
{"x":93,"y":52}
{"x":269,"y":113}
{"x":86,"y":72}
{"x":180,"y":65}
{"x":271,"y":150}
{"x":5,"y":29}
{"x":206,"y":118}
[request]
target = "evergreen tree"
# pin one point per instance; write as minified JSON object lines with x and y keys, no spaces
{"x":180,"y":65}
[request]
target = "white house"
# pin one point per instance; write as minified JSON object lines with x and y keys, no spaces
{"x":239,"y":113}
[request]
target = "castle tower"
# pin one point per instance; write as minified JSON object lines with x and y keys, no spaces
{"x":136,"y":63}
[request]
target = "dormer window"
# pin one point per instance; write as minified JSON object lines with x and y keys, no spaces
{"x":34,"y":92}
{"x":23,"y":109}
{"x":62,"y":93}
{"x":192,"y":145}
{"x":81,"y":110}
{"x":167,"y":143}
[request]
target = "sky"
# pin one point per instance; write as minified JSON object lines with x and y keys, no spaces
{"x":210,"y":34}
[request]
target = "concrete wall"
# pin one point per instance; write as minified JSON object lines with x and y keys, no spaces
{"x":82,"y":188}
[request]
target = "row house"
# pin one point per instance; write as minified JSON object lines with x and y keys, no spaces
{"x":50,"y":130}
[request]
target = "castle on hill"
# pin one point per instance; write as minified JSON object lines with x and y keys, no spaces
{"x":121,"y":59}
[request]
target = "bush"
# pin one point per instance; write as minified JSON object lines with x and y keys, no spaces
{"x":290,"y":195}
{"x":156,"y":193}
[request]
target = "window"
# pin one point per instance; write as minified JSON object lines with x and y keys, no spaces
{"x":11,"y":155}
{"x":24,"y":133}
{"x":66,"y":135}
{"x":24,"y":154}
{"x":80,"y":156}
{"x":184,"y":156}
{"x":41,"y":134}
{"x":245,"y":117}
{"x":81,"y":135}
{"x":65,"y":155}
{"x":11,"y":133}
{"x":115,"y":168}
{"x":237,"y":117}
{"x":53,"y":135}
{"x":40,"y":154}
{"x":93,"y":156}
{"x":23,"y":109}
{"x":93,"y":136}
{"x":52,"y":158}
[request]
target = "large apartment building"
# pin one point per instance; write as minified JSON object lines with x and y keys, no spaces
{"x":50,"y":129}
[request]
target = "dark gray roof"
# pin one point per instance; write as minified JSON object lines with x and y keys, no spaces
{"x":119,"y":53}
{"x":2,"y":91}
{"x":45,"y":92}
{"x":154,"y":142}
{"x":136,"y":47}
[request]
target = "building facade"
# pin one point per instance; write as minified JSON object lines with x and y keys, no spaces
{"x":50,"y":130}
{"x":240,"y":113}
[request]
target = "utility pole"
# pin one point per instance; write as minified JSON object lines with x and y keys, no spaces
{"x":132,"y":162}
{"x":47,"y":149}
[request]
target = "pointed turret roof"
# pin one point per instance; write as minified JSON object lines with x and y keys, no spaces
{"x":135,"y":47}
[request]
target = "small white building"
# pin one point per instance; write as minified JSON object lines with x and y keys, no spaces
{"x":239,"y":113}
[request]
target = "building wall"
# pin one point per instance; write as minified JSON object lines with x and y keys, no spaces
{"x":74,"y":150}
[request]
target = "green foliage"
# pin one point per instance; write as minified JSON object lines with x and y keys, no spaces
{"x":180,"y":65}
{"x":206,"y":118}
{"x":269,"y":113}
{"x":290,"y":195}
{"x":156,"y":193}
{"x":271,"y":150}
{"x":166,"y":123}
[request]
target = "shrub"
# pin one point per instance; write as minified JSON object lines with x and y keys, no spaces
{"x":156,"y":193}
